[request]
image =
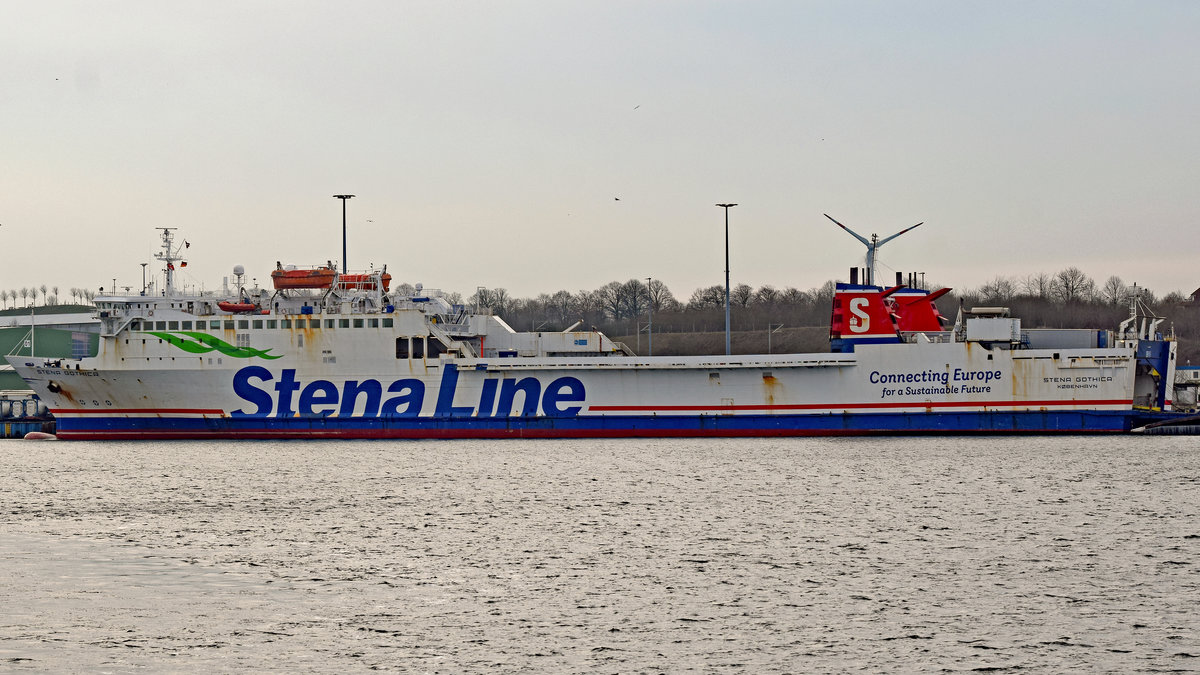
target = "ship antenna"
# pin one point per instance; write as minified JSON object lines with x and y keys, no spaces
{"x":168,"y":256}
{"x":872,"y":245}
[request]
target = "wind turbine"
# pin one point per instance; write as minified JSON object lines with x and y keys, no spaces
{"x":872,"y":245}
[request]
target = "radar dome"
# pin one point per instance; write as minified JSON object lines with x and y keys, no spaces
{"x":239,"y":270}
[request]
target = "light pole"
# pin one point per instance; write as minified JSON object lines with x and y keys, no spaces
{"x":343,"y":198}
{"x":649,"y":318}
{"x":144,"y":278}
{"x":772,"y":328}
{"x":727,"y":342}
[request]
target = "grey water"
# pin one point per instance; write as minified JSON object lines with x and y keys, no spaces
{"x":1043,"y":554}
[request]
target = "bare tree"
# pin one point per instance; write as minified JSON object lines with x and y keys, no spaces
{"x":766,"y":295}
{"x":795,"y":297}
{"x":1114,"y":291}
{"x":1037,"y":285}
{"x":562,"y":307}
{"x":501,"y":300}
{"x":741,"y":295}
{"x":44,"y":289}
{"x":633,"y":297}
{"x":610,"y":299}
{"x":713,"y":296}
{"x":482,"y":299}
{"x":24,"y":296}
{"x":1072,"y":285}
{"x":661,"y":297}
{"x":1000,"y":289}
{"x":589,"y":304}
{"x":823,"y":296}
{"x":1174,"y":298}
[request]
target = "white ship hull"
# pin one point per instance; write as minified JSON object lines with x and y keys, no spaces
{"x":362,"y":390}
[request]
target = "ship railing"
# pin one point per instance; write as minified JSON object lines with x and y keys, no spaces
{"x":623,"y":348}
{"x":437,"y":331}
{"x":460,"y":329}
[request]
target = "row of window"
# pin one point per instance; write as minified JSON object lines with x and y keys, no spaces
{"x":251,"y":324}
{"x":420,"y":348}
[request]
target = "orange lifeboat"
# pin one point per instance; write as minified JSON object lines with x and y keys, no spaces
{"x":365,"y":282}
{"x":238,"y":307}
{"x":320,"y":277}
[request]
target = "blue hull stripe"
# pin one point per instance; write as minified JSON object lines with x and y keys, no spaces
{"x":600,"y":425}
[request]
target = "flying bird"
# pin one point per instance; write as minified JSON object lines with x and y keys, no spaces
{"x":616,"y":199}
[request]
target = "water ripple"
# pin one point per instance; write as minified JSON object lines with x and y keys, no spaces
{"x":761,"y":556}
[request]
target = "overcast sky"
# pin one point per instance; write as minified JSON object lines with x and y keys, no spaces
{"x":540,"y":146}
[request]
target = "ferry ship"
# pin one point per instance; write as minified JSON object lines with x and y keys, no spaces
{"x":329,"y":355}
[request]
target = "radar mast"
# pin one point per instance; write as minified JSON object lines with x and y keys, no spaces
{"x":169,"y":255}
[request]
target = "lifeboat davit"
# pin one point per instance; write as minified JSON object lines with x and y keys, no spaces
{"x":365,"y":282}
{"x":320,"y":277}
{"x":238,"y":307}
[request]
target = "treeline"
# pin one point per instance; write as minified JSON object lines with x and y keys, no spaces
{"x":619,"y":307}
{"x":1067,"y":299}
{"x":29,"y":296}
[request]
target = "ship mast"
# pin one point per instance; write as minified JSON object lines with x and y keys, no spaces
{"x":169,"y":255}
{"x":872,"y":245}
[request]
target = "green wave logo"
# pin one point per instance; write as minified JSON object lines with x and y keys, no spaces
{"x":203,"y":343}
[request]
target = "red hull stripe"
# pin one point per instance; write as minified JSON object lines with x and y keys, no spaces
{"x":846,"y":406}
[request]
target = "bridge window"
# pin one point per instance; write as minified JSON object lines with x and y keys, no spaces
{"x":286,"y":323}
{"x":373,"y":323}
{"x":187,"y":325}
{"x":358,"y":323}
{"x":257,"y":323}
{"x":228,"y":325}
{"x":343,"y":323}
{"x":160,"y":325}
{"x":272,"y":323}
{"x":387,"y":323}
